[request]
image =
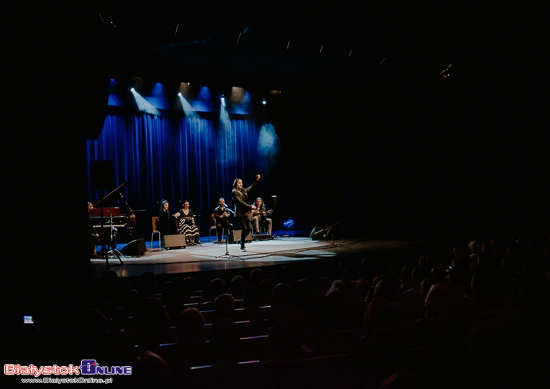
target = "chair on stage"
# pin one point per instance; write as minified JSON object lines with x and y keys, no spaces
{"x":212,"y":224}
{"x":264,"y":228}
{"x":155,"y":231}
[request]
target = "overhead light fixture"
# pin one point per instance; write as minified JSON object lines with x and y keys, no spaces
{"x":445,"y":72}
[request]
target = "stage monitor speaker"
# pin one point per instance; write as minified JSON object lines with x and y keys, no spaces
{"x":134,"y":249}
{"x":171,"y":241}
{"x":235,"y":236}
{"x":320,"y":233}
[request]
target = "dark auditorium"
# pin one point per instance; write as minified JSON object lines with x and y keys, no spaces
{"x":276,"y":194}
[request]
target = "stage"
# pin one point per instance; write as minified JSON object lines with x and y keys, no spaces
{"x":211,"y":256}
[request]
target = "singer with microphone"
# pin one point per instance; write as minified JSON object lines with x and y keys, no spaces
{"x":221,"y":214}
{"x":187,"y":226}
{"x":243,"y":211}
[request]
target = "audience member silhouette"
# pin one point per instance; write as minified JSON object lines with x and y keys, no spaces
{"x":151,"y":323}
{"x":256,"y":276}
{"x":149,"y":370}
{"x":216,"y":287}
{"x":190,"y":327}
{"x":224,"y":305}
{"x":173,"y":300}
{"x":225,"y":341}
{"x":237,"y":287}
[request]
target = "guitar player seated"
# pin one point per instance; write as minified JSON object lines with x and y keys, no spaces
{"x":260,"y":218}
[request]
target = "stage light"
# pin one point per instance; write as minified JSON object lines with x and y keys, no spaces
{"x":264,"y":102}
{"x":268,"y":141}
{"x":204,"y":94}
{"x":237,"y":95}
{"x":157,"y":90}
{"x":445,"y":72}
{"x":187,"y":108}
{"x":224,"y":115}
{"x":143,"y":105}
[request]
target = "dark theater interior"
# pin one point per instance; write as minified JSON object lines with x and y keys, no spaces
{"x":400,"y":152}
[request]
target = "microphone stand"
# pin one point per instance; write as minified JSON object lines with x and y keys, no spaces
{"x":227,"y":255}
{"x":104,"y":251}
{"x":114,"y":250}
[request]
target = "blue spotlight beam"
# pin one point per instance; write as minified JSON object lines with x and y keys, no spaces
{"x":187,"y":108}
{"x":143,"y":105}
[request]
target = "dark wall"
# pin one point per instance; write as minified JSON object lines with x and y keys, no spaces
{"x":421,"y":154}
{"x":53,"y":112}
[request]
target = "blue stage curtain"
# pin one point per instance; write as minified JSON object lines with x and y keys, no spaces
{"x":176,"y":159}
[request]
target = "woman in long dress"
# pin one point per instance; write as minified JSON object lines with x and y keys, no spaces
{"x":187,"y":226}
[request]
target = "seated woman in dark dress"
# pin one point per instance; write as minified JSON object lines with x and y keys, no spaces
{"x":165,"y":223}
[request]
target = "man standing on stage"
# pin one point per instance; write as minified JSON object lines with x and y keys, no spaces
{"x":243,"y":211}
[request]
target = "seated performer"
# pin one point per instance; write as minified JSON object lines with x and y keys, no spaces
{"x":260,"y":217}
{"x":221,"y":213}
{"x":187,"y":226}
{"x":94,"y":236}
{"x":165,"y":224}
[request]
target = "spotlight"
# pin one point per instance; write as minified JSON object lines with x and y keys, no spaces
{"x":187,"y":108}
{"x":445,"y":72}
{"x":143,"y":105}
{"x":264,"y":102}
{"x":288,"y":224}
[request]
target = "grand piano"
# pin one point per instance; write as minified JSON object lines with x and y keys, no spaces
{"x":109,"y":213}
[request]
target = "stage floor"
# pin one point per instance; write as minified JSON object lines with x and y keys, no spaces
{"x":211,"y":256}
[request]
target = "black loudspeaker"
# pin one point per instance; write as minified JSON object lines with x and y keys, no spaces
{"x":321,"y":233}
{"x":171,"y":241}
{"x":134,"y":249}
{"x":235,"y":236}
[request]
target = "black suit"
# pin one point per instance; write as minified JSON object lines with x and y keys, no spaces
{"x":242,"y":210}
{"x":222,"y":222}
